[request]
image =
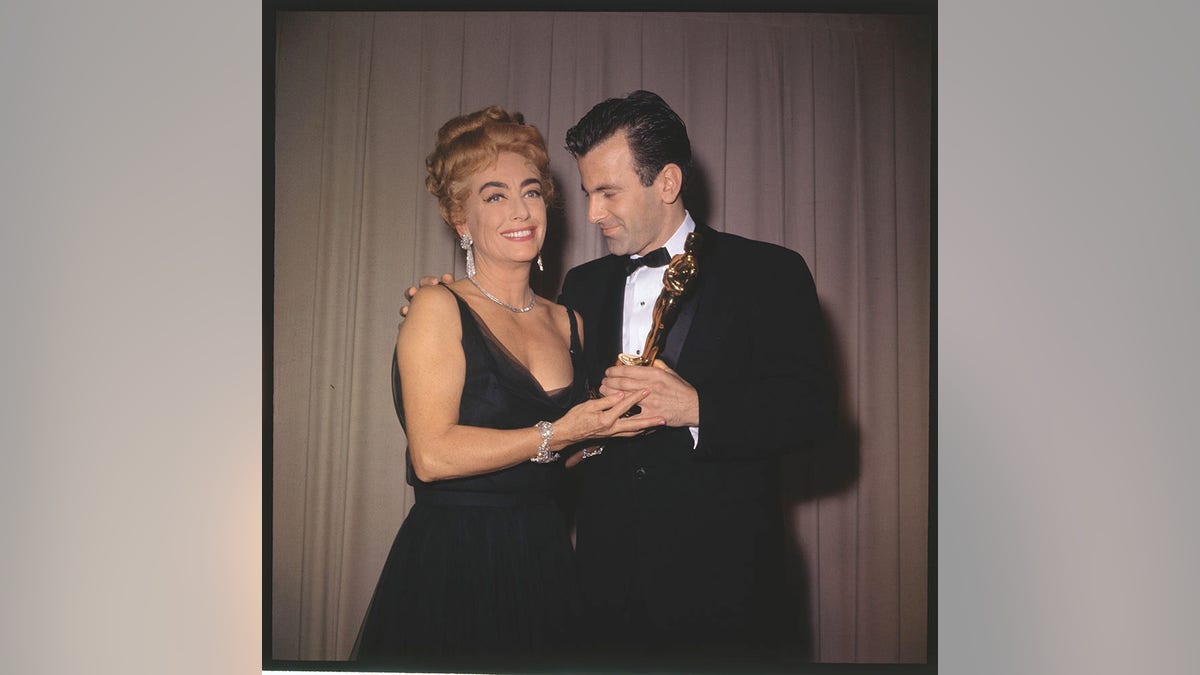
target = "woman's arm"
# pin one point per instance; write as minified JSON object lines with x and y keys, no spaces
{"x":433,"y":369}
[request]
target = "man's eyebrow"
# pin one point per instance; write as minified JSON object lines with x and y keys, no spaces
{"x":599,"y":188}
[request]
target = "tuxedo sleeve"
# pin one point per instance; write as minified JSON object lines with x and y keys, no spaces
{"x":776,"y":393}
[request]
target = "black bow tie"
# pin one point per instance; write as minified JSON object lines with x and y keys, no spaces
{"x":656,"y":258}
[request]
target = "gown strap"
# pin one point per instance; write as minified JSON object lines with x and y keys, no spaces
{"x":576,"y":346}
{"x":464,"y":310}
{"x":472,"y":328}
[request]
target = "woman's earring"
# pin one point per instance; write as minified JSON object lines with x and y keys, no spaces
{"x":466,"y":243}
{"x":540,"y":268}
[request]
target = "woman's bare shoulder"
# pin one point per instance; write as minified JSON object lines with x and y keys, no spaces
{"x":433,"y":308}
{"x":437,"y":298}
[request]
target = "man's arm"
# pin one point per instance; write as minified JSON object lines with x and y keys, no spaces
{"x":775,"y":395}
{"x":782,"y":396}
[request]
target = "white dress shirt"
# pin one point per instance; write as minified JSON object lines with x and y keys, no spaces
{"x":642,"y":289}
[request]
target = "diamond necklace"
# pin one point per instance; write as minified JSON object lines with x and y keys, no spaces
{"x":505,"y":305}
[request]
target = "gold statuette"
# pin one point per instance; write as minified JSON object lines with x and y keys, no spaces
{"x":678,"y":279}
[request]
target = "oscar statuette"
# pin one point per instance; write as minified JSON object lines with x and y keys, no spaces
{"x":678,"y":280}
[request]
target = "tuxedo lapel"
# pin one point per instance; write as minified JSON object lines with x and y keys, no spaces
{"x":677,"y":337}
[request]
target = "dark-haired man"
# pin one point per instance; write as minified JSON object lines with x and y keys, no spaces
{"x":679,"y":531}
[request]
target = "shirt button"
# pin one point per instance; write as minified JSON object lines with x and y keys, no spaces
{"x":643,"y":303}
{"x":639,"y":473}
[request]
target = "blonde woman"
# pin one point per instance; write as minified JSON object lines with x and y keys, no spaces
{"x":490,"y":386}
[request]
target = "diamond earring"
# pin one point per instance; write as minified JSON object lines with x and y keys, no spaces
{"x":466,"y":243}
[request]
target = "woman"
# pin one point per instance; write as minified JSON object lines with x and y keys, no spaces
{"x":490,"y":390}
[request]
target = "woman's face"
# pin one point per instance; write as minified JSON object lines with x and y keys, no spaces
{"x":505,"y":212}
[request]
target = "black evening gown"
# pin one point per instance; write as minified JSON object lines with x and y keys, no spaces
{"x":481,"y":572}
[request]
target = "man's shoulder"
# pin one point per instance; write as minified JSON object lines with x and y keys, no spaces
{"x":751,"y":252}
{"x":591,"y":268}
{"x":584,"y":283}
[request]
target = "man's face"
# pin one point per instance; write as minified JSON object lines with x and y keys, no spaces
{"x":632,"y":217}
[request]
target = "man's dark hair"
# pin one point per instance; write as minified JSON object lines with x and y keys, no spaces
{"x":656,"y":135}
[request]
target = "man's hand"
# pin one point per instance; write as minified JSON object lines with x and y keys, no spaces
{"x":425,"y":281}
{"x":670,"y":398}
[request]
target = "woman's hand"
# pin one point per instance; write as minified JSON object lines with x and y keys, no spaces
{"x":600,"y":418}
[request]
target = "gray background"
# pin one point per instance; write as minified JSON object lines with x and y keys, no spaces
{"x":1068,"y":314}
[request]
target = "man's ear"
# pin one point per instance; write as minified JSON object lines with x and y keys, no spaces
{"x":670,"y":182}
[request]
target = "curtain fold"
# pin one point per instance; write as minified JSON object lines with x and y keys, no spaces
{"x":810,"y":131}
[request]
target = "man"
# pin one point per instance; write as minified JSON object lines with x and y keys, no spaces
{"x":679,"y":536}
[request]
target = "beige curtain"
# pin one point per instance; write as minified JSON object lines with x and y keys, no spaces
{"x":811,"y":131}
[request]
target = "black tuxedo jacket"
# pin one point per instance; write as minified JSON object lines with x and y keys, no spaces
{"x":682,"y":546}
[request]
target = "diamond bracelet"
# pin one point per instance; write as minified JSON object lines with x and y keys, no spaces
{"x":544,"y":456}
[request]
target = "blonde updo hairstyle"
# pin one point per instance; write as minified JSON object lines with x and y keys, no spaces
{"x":470,"y":143}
